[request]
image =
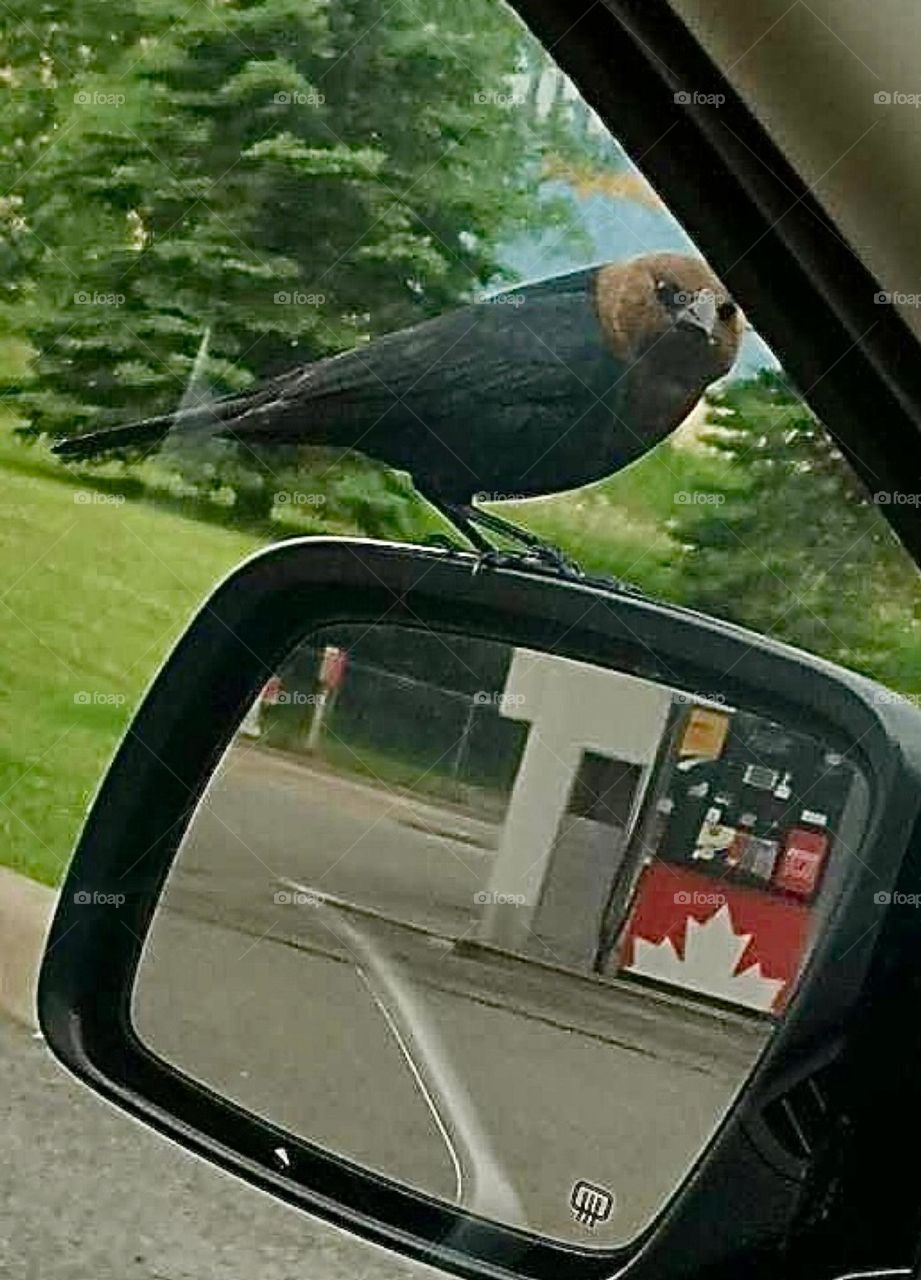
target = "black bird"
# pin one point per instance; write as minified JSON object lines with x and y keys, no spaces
{"x":546,"y":387}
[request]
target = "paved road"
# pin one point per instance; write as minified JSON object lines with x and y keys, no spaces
{"x":540,"y":1077}
{"x":87,"y":1192}
{"x":382,"y":849}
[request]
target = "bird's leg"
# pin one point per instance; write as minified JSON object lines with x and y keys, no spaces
{"x":507,"y":529}
{"x":465,"y":519}
{"x":460,"y":517}
{"x":539,"y":550}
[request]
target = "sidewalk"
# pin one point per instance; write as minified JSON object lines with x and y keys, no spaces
{"x":26,"y":908}
{"x":86,"y":1191}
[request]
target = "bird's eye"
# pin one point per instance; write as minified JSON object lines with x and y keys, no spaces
{"x":726,"y":310}
{"x":666,"y":292}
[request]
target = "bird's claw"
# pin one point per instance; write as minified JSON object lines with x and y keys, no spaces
{"x":491,"y":560}
{"x":529,"y":557}
{"x":555,"y":558}
{"x":549,"y":558}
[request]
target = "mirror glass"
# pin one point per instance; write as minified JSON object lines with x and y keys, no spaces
{"x":502,"y":926}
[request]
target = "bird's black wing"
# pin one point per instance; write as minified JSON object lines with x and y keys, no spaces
{"x":476,"y":380}
{"x":491,"y":349}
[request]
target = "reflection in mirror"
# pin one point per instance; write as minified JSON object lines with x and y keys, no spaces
{"x":505,"y":927}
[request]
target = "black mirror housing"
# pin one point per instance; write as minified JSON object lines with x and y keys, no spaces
{"x":739,"y":1200}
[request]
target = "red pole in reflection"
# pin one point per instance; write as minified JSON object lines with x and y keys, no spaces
{"x":333,"y":665}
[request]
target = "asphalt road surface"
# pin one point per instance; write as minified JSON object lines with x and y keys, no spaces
{"x":370,"y":845}
{"x":87,"y":1192}
{"x":477,"y":1077}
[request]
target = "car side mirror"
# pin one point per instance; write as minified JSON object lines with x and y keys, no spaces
{"x":513,"y":921}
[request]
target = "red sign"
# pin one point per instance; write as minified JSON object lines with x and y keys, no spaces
{"x":698,"y":933}
{"x":332,"y":667}
{"x":801,"y":862}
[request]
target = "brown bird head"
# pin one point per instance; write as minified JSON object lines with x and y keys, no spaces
{"x":673,"y":325}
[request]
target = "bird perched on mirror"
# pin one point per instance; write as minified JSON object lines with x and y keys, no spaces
{"x":545,"y":387}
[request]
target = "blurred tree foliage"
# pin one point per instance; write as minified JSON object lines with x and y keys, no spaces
{"x":234,"y":186}
{"x":788,"y":542}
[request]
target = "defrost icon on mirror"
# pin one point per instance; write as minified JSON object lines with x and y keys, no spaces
{"x":591,"y":1204}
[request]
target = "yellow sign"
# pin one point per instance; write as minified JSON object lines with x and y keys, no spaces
{"x":705,"y":734}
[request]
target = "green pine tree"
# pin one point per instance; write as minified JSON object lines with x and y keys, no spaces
{"x":791,"y":544}
{"x":286,"y":177}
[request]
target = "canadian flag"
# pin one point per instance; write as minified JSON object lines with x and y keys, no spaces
{"x":730,"y":942}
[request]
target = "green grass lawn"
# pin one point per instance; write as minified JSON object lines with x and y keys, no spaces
{"x":620,"y":526}
{"x":99,"y":573}
{"x":93,"y":593}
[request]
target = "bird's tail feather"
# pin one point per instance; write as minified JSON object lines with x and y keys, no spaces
{"x":134,"y":435}
{"x":149,"y":432}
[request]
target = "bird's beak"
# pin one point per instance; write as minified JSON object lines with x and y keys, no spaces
{"x":699,"y":314}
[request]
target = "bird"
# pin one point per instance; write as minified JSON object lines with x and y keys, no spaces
{"x":538,"y":389}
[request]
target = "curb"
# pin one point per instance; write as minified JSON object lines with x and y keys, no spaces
{"x":26,"y":908}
